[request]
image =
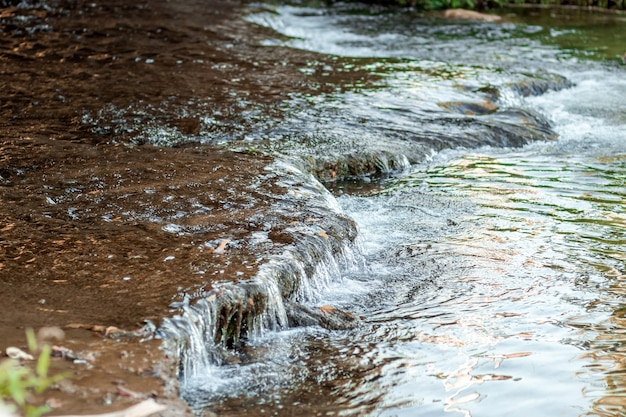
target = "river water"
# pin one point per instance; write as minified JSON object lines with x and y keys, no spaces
{"x":491,"y":278}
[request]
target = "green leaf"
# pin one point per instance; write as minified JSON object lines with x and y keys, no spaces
{"x":43,"y":363}
{"x":31,"y":339}
{"x":16,"y":389}
{"x":17,"y":383}
{"x":33,"y":411}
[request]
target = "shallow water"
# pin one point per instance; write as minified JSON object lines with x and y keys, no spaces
{"x":491,"y":280}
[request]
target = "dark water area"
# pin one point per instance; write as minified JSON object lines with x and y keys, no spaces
{"x":326,"y":210}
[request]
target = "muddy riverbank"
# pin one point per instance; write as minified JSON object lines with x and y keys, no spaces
{"x":100,"y":230}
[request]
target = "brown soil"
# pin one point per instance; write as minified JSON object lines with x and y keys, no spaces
{"x":91,"y":230}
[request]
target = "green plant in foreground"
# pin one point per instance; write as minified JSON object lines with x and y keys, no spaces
{"x":18,"y":383}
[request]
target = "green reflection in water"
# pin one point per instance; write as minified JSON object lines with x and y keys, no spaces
{"x":575,"y":207}
{"x":583,"y":33}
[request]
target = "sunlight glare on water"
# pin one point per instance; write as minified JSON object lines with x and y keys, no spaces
{"x":531,"y":307}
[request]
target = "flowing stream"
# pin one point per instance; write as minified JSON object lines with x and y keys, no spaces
{"x":491,"y":271}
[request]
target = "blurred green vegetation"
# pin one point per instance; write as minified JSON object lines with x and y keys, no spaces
{"x":603,"y":4}
{"x":442,"y":4}
{"x":20,"y":384}
{"x":494,"y":4}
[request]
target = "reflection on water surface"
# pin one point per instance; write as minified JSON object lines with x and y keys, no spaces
{"x":493,"y":277}
{"x":493,"y":287}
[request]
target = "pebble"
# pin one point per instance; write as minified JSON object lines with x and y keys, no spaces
{"x":17,"y":353}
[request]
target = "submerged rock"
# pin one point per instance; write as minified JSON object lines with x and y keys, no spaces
{"x":469,"y":108}
{"x":328,"y":317}
{"x":540,"y":83}
{"x":463,"y":14}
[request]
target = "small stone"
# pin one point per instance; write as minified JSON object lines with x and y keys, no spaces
{"x":463,"y":14}
{"x":221,"y":247}
{"x":327,"y":316}
{"x":17,"y":353}
{"x":111,"y":331}
{"x":328,"y":309}
{"x":54,"y":403}
{"x":323,"y":234}
{"x":62,"y":352}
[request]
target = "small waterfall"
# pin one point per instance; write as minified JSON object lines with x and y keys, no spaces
{"x":323,"y":247}
{"x":228,"y":313}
